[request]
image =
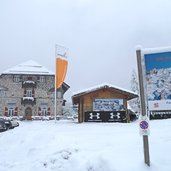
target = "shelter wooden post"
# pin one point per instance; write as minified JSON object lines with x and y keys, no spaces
{"x":80,"y":118}
{"x":127,"y":112}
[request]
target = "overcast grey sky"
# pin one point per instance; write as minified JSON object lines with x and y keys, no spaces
{"x":101,"y":35}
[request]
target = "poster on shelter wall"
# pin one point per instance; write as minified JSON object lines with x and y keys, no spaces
{"x":108,"y":104}
{"x":158,"y":80}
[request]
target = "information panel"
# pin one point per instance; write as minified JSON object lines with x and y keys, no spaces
{"x":101,"y":104}
{"x":158,"y":80}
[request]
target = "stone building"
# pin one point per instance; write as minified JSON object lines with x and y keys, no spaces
{"x":27,"y":91}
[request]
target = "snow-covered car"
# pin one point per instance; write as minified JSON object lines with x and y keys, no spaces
{"x":14,"y":123}
{"x":2,"y":126}
{"x":8,"y":124}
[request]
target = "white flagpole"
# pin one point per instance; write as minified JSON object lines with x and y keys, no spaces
{"x":55,"y":81}
{"x":63,"y":53}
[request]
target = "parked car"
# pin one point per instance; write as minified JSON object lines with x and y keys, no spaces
{"x":14,"y":123}
{"x":10,"y":124}
{"x":3,"y":126}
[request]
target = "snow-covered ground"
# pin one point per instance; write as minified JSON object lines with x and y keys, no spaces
{"x":69,"y":146}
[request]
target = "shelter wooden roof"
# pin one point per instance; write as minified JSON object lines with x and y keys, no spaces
{"x":129,"y":94}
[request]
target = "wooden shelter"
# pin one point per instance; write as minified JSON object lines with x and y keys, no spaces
{"x":103,"y":103}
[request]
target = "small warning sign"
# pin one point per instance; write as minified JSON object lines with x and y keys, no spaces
{"x":144,"y":126}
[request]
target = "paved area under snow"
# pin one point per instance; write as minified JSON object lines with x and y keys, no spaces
{"x":69,"y":146}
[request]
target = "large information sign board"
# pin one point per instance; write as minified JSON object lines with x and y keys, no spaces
{"x":158,"y":80}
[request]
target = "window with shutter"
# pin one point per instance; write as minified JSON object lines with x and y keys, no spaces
{"x":29,"y":93}
{"x":6,"y":111}
{"x":39,"y":111}
{"x":24,"y":92}
{"x":16,"y":111}
{"x":33,"y":93}
{"x":48,"y":113}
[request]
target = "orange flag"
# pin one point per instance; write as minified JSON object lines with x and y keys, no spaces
{"x":61,"y":69}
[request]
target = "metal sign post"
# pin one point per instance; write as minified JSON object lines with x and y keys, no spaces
{"x":143,"y":107}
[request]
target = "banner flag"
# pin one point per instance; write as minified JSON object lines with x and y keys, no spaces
{"x":61,"y":65}
{"x":61,"y":70}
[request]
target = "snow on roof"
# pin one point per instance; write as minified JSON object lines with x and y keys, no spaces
{"x":29,"y":67}
{"x":91,"y":89}
{"x":156,"y":50}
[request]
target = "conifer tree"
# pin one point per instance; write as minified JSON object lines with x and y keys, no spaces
{"x":135,"y":103}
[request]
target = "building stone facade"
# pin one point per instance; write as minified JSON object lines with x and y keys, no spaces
{"x":28,"y":92}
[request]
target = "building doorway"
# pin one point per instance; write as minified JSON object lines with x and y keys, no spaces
{"x":28,"y":113}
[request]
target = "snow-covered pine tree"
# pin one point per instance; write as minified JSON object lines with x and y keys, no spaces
{"x":135,"y":103}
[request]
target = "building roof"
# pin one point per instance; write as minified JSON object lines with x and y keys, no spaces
{"x":130,"y":95}
{"x":30,"y":67}
{"x":64,"y":86}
